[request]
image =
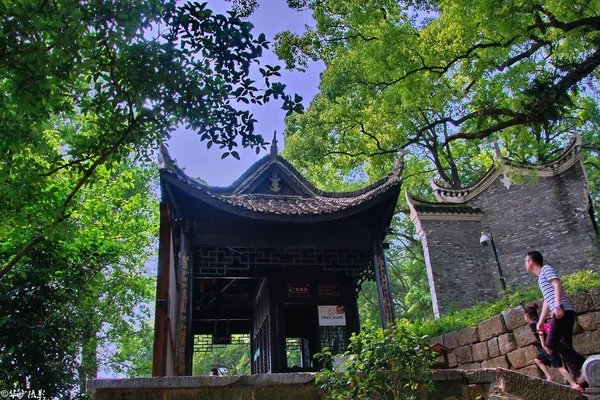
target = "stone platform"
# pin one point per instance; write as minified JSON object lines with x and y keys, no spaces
{"x":449,"y":385}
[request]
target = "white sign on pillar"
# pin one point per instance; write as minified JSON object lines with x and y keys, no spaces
{"x":332,"y":316}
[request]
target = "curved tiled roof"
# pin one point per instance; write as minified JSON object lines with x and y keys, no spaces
{"x":427,"y":207}
{"x":309,"y":200}
{"x":570,"y":155}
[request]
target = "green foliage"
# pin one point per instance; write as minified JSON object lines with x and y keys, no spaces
{"x":133,"y":354}
{"x":579,"y":281}
{"x":88,"y":84}
{"x":443,"y":80}
{"x":379,"y":364}
{"x":76,"y":293}
{"x":231,"y":359}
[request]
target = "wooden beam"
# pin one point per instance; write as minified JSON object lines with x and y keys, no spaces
{"x":161,"y":321}
{"x":382,"y":277}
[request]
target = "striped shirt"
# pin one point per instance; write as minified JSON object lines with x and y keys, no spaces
{"x":546,"y":275}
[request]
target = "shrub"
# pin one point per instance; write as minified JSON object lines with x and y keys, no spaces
{"x":577,"y":282}
{"x":380,"y":364}
{"x":581,"y":281}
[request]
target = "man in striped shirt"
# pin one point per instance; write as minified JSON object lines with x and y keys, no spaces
{"x":561,"y":311}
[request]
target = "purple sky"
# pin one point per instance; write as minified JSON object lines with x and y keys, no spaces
{"x":271,"y":17}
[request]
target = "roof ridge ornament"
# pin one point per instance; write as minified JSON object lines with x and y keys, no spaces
{"x":399,"y":163}
{"x":274,"y":150}
{"x":164,"y":158}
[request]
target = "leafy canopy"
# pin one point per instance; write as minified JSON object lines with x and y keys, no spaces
{"x":70,"y":300}
{"x":87,"y":84}
{"x":441,"y":80}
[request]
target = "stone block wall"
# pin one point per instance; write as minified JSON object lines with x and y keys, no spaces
{"x":486,"y":384}
{"x":546,"y":213}
{"x":506,"y":341}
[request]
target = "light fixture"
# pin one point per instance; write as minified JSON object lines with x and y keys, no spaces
{"x":486,"y":239}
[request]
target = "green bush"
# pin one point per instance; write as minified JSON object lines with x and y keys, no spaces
{"x":380,"y":364}
{"x":577,"y":282}
{"x":581,"y":281}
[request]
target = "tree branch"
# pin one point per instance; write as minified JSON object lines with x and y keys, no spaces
{"x":528,"y":53}
{"x":591,"y":22}
{"x":69,"y":164}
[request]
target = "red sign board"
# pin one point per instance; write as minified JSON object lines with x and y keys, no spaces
{"x":298,"y":290}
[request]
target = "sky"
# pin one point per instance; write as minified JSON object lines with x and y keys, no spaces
{"x":271,"y":17}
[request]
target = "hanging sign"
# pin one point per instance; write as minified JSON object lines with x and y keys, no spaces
{"x":298,"y":290}
{"x":328,"y":290}
{"x":332,"y":316}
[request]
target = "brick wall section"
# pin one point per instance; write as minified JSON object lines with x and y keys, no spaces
{"x":505,"y":341}
{"x":458,"y":266}
{"x":548,"y":214}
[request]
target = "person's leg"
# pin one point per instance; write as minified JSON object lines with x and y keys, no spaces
{"x":570,"y":379}
{"x":561,"y":333}
{"x":544,"y":369}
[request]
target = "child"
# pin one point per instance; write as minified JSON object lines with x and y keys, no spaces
{"x":545,"y":357}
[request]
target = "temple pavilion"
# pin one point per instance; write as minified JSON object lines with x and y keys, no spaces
{"x":271,"y":258}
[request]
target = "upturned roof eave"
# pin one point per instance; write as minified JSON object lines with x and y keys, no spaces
{"x":570,"y":155}
{"x":440,"y":208}
{"x":199,"y":192}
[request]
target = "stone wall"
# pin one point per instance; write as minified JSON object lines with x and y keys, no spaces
{"x":506,"y":341}
{"x":487,"y":384}
{"x":549,"y":213}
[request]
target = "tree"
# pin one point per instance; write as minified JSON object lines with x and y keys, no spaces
{"x":443,"y":79}
{"x":133,"y":355}
{"x":87,"y":84}
{"x":71,"y":298}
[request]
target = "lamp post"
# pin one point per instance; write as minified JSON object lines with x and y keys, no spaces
{"x":487,"y":238}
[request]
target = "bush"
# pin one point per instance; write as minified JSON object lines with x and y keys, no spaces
{"x":380,"y":364}
{"x":581,"y":281}
{"x":577,"y":282}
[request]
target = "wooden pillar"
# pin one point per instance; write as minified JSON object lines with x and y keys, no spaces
{"x":161,"y":321}
{"x":383,"y":284}
{"x":189,"y":346}
{"x":183,"y":311}
{"x":277,"y":348}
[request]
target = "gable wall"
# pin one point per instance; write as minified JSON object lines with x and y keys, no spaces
{"x":454,"y":265}
{"x":549,"y":214}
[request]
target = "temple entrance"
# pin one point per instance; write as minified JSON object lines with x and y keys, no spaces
{"x":301,"y":342}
